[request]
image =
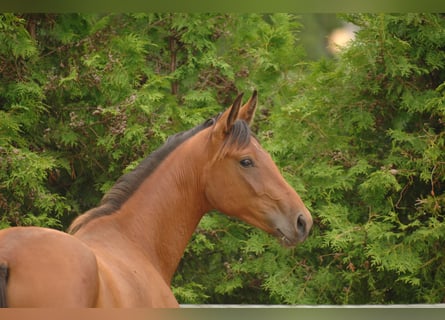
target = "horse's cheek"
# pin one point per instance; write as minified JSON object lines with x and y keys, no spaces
{"x":253,"y":183}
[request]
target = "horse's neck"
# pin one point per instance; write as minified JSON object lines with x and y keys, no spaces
{"x":163,"y":212}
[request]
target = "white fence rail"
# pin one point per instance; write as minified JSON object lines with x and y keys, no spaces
{"x":349,"y":306}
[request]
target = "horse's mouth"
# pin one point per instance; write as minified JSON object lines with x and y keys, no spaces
{"x":284,"y":240}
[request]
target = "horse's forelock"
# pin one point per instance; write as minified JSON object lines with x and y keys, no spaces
{"x":237,"y":138}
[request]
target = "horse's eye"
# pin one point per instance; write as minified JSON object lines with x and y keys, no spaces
{"x":246,"y":163}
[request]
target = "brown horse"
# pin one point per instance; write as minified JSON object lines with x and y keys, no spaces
{"x":125,"y":252}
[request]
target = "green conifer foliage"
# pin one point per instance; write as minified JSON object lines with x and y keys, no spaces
{"x":366,"y":139}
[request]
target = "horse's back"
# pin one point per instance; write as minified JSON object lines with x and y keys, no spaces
{"x":47,"y":268}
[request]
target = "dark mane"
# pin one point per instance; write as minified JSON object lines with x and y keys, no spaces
{"x":128,"y":183}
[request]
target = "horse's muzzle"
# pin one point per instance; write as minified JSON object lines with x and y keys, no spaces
{"x":292,"y":234}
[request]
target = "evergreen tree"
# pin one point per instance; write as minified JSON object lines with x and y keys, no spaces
{"x":366,"y":138}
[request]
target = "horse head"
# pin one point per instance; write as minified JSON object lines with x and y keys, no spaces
{"x":244,"y":182}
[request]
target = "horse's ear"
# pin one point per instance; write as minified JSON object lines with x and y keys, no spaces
{"x":247,"y":112}
{"x":227,"y":119}
{"x":234,"y":111}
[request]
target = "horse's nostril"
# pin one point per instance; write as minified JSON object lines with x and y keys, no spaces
{"x":301,"y":225}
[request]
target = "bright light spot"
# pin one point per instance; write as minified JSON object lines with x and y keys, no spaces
{"x":340,"y":37}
